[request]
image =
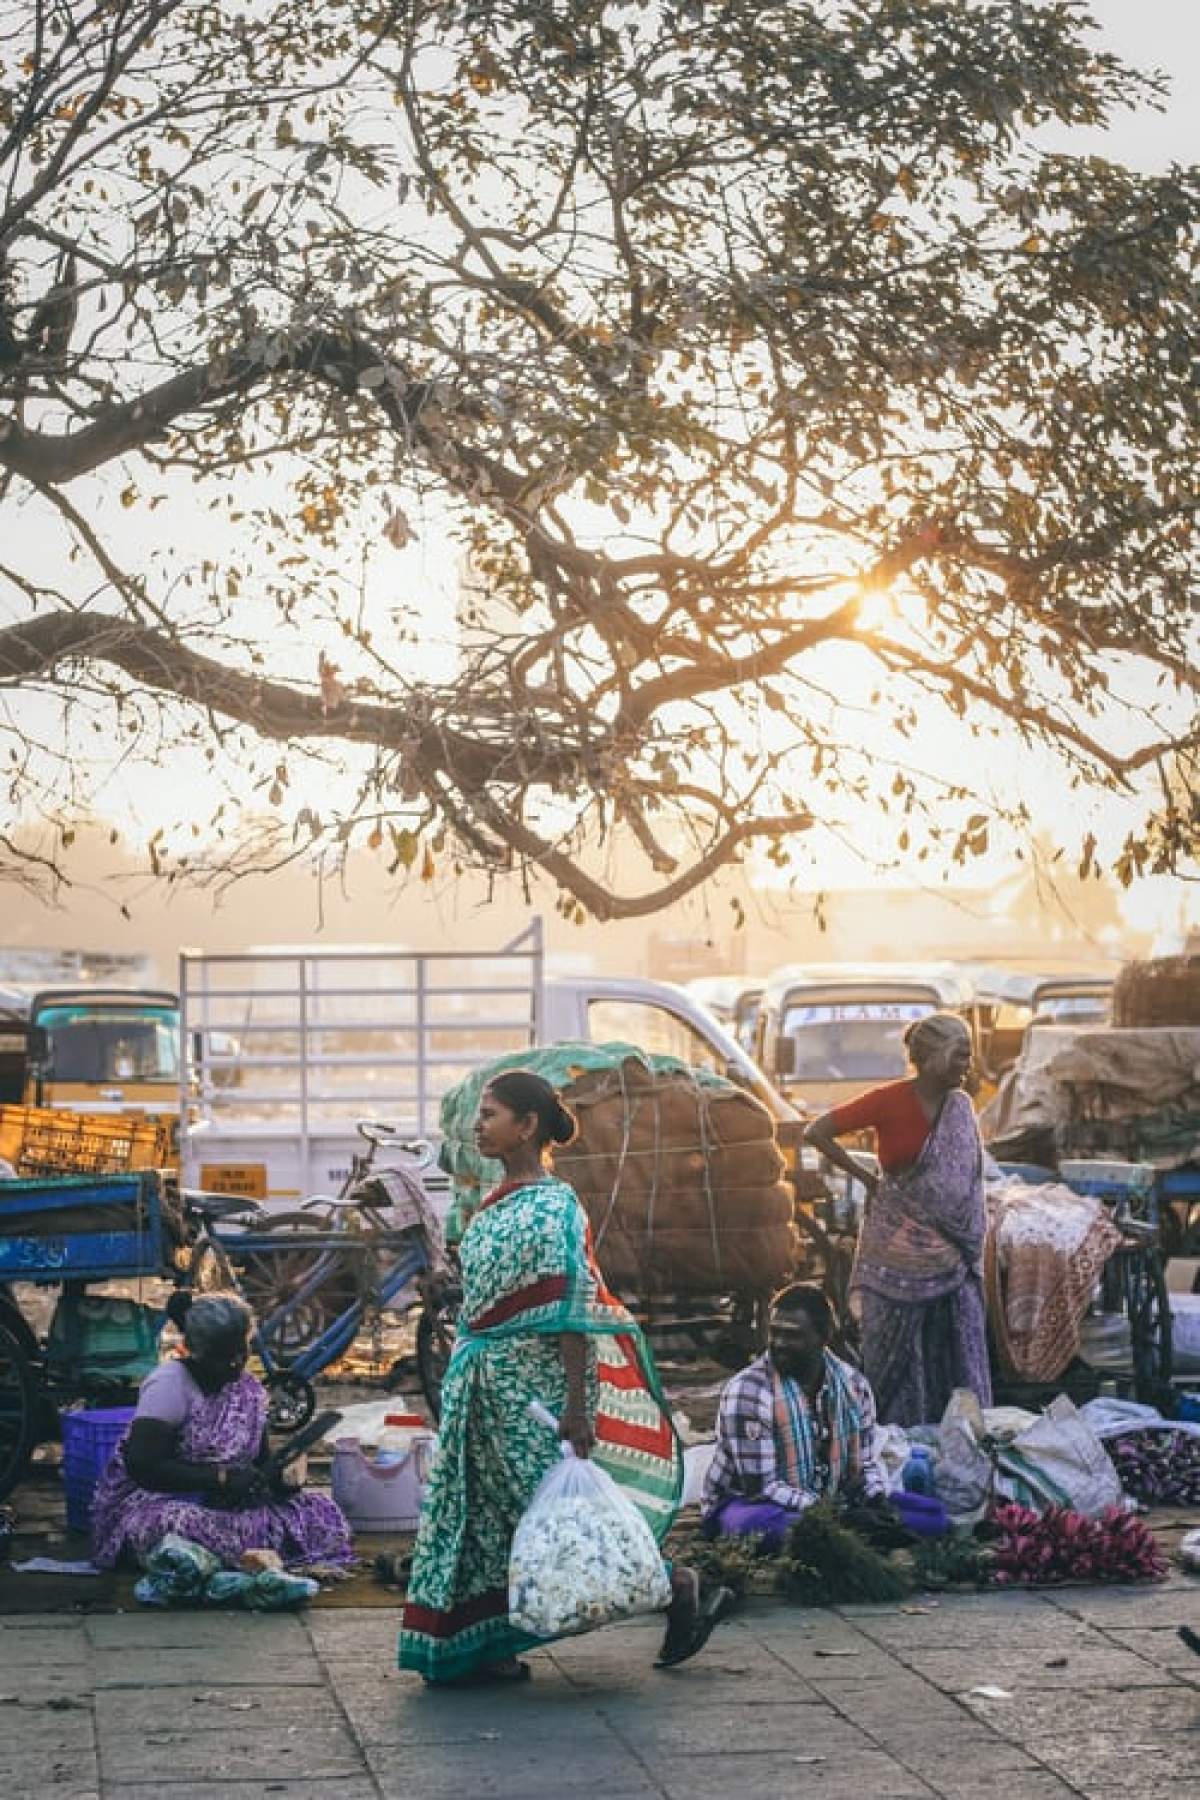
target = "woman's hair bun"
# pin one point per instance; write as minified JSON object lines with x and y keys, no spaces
{"x":178,"y":1307}
{"x":566,"y":1126}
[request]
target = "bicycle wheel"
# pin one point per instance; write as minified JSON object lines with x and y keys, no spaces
{"x":268,"y":1277}
{"x":436,"y":1330}
{"x":18,"y":1407}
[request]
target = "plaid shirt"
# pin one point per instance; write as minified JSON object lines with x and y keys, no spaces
{"x":744,"y":1465}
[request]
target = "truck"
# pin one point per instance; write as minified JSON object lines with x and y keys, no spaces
{"x":826,"y":1031}
{"x":734,"y":1000}
{"x":103,"y":1049}
{"x":325,"y":1037}
{"x":83,"y":1029}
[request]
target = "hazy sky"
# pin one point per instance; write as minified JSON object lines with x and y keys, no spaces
{"x":1154,"y":34}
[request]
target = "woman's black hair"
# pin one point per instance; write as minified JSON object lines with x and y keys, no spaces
{"x":805,"y":1297}
{"x":207,"y":1321}
{"x":523,"y":1093}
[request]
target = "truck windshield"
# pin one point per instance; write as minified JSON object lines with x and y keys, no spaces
{"x":859,"y":1040}
{"x":118,"y":1043}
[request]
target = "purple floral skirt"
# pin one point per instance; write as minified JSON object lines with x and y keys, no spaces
{"x":308,"y":1530}
{"x":916,"y":1353}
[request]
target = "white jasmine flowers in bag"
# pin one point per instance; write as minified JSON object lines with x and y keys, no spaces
{"x":582,"y":1555}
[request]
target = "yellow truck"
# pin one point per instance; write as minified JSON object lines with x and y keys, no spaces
{"x":97,"y":1050}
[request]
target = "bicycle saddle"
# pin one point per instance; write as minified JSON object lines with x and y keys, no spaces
{"x":212,"y":1207}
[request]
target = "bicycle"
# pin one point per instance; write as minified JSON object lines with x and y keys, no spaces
{"x":313,"y":1281}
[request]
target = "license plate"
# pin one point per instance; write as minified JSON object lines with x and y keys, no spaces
{"x":246,"y":1181}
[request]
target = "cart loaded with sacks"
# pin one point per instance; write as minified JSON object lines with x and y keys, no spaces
{"x":681,"y":1177}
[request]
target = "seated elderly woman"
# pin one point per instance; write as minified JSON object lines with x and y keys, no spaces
{"x":191,"y":1461}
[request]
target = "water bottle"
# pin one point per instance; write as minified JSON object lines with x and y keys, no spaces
{"x":918,"y":1471}
{"x":391,"y":1449}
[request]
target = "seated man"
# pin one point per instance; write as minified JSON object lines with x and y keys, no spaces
{"x":795,"y":1427}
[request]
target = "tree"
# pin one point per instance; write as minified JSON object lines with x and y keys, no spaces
{"x":760,"y":364}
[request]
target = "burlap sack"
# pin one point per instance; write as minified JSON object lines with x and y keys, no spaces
{"x":681,"y":1181}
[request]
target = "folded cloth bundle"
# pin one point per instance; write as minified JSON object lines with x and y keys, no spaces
{"x":176,"y":1569}
{"x":179,"y":1572}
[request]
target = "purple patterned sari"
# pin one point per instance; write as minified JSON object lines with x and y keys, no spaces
{"x":919,"y":1278}
{"x":227,"y":1427}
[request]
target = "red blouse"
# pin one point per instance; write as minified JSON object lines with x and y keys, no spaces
{"x":895,"y":1114}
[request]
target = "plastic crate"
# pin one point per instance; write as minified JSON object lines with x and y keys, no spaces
{"x":89,"y":1439}
{"x":45,"y":1140}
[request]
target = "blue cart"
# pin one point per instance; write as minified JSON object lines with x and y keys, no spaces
{"x":65,"y":1232}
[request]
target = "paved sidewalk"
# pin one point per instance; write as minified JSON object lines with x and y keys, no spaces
{"x":875,"y":1703}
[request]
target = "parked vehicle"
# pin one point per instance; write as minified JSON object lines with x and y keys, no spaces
{"x":103,"y":1049}
{"x":327,"y":1036}
{"x":14,"y":1041}
{"x":826,"y":1031}
{"x":1008,"y":1002}
{"x":734,"y":1000}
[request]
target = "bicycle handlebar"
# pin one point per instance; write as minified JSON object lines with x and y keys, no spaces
{"x":377,"y":1131}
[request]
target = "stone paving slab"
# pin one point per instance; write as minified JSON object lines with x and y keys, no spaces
{"x":278,"y":1788}
{"x":263,"y":1751}
{"x":892,"y":1705}
{"x":778,"y":1776}
{"x":966,"y":1752}
{"x":243,"y":1661}
{"x":1141,"y":1714}
{"x":946,"y":1626}
{"x":398,"y":1711}
{"x":1031,"y":1783}
{"x":957,"y":1671}
{"x":711,"y":1729}
{"x":537,"y":1771}
{"x":196,"y":1711}
{"x":1163,"y":1646}
{"x":29,"y":1647}
{"x":367,"y":1637}
{"x":270,"y":1635}
{"x":244,"y":1707}
{"x":1171,"y":1603}
{"x":1138,"y":1767}
{"x":47,"y":1762}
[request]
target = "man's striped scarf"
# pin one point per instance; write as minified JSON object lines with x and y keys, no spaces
{"x":796,"y":1439}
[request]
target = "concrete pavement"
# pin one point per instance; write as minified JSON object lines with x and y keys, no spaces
{"x":1098,"y":1697}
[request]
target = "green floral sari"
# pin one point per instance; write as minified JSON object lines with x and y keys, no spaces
{"x":529,"y":1273}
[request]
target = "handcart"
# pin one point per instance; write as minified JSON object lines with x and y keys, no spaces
{"x":67,"y":1233}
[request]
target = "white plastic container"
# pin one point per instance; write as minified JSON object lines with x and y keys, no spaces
{"x":383,"y":1496}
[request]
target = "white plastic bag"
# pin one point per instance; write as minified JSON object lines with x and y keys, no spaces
{"x":1061,"y":1457}
{"x":582,"y":1555}
{"x":963,"y":1472}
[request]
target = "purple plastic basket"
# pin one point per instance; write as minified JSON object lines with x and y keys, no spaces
{"x":89,"y":1439}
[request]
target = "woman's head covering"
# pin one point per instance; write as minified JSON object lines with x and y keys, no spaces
{"x":933,"y":1035}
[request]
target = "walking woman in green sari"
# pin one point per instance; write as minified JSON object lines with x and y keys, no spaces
{"x":537,"y":1323}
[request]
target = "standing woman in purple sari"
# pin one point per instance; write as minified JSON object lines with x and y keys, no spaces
{"x":918,"y":1271}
